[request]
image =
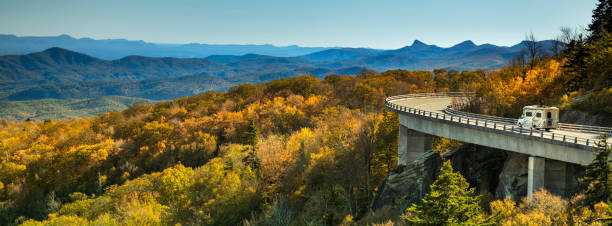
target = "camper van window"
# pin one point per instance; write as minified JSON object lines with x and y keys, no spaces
{"x":528,"y":114}
{"x":548,"y":114}
{"x":539,"y":115}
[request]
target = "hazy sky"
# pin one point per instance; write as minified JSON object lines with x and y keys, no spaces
{"x":357,"y":23}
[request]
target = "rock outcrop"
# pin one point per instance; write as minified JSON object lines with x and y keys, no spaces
{"x":494,"y":173}
{"x":408,"y":184}
{"x":481,"y":167}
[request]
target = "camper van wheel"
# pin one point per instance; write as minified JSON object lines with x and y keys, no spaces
{"x":547,"y":129}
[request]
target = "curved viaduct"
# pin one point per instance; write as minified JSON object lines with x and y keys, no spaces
{"x":425,"y":114}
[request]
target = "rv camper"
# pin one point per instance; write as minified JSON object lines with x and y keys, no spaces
{"x":539,"y":117}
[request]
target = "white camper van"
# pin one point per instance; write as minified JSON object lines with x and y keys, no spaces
{"x":539,"y":117}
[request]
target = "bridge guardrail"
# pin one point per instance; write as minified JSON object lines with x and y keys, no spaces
{"x":562,"y":126}
{"x":504,"y":125}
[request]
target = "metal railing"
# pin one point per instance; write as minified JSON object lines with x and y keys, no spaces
{"x":562,"y":126}
{"x":496,"y":124}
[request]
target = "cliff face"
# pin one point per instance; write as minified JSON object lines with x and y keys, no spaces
{"x":482,"y":167}
{"x":408,"y":184}
{"x":494,"y":173}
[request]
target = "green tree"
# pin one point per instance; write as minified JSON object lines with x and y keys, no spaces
{"x":602,"y":20}
{"x":588,"y":59}
{"x":597,"y":175}
{"x":450,"y":202}
{"x":250,"y":135}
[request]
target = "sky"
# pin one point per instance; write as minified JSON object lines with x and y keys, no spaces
{"x":382,"y":24}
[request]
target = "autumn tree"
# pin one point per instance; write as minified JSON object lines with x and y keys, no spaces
{"x":366,"y":147}
{"x":541,"y":208}
{"x":385,"y":157}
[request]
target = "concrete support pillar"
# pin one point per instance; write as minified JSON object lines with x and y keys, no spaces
{"x":556,"y":177}
{"x":411,"y":145}
{"x":535,"y":174}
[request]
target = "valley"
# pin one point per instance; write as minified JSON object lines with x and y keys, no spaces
{"x":347,"y":118}
{"x":61,"y":74}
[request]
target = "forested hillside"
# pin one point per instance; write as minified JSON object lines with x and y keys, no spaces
{"x":58,"y":73}
{"x":61,"y":65}
{"x":223,"y":155}
{"x":295,"y":151}
{"x":301,"y":150}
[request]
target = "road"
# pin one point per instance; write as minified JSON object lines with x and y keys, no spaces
{"x":436,"y":105}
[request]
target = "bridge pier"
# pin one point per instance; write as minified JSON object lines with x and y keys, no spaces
{"x":411,"y":144}
{"x":535,"y":174}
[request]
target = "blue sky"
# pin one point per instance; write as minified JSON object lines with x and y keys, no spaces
{"x":358,"y":23}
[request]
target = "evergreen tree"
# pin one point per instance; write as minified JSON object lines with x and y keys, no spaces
{"x":450,"y":202}
{"x":581,"y":53}
{"x":597,"y":175}
{"x":250,"y":136}
{"x":602,"y":20}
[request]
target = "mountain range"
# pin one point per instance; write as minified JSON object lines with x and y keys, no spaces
{"x":418,"y":56}
{"x":110,"y":49}
{"x":60,"y":73}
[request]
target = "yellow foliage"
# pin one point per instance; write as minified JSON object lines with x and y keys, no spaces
{"x":444,"y":144}
{"x":529,"y":219}
{"x":347,"y":221}
{"x":506,"y":91}
{"x":503,"y":209}
{"x":387,"y":223}
{"x":550,"y":205}
{"x":143,"y":211}
{"x":315,"y":139}
{"x":93,"y":153}
{"x":173,"y":182}
{"x":10,"y":170}
{"x":105,"y":220}
{"x":541,"y":208}
{"x":275,"y":158}
{"x":58,"y":220}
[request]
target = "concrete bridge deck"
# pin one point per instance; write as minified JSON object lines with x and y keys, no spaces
{"x":439,"y":103}
{"x":423,"y":115}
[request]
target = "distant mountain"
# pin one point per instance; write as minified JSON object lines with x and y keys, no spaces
{"x":338,"y":54}
{"x":420,"y":56}
{"x":59,"y":80}
{"x":417,"y":49}
{"x":61,"y":65}
{"x":417,"y":56}
{"x":111,"y":49}
{"x":61,"y":73}
{"x":463,"y":46}
{"x":225,"y":59}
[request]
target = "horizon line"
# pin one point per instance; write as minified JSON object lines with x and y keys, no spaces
{"x":260,"y":44}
